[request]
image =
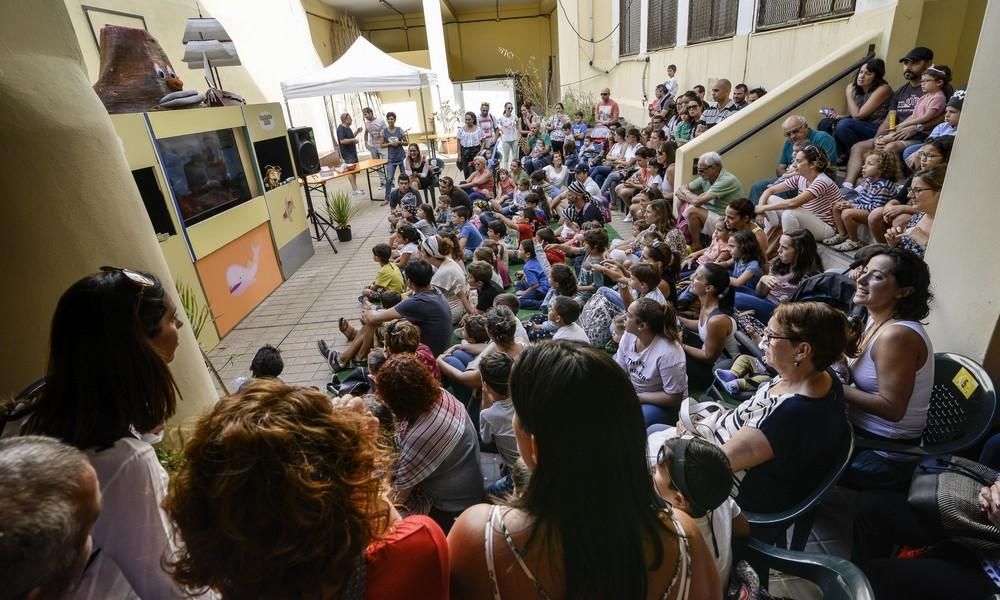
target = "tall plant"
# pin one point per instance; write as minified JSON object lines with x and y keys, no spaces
{"x":199,"y":315}
{"x":448,"y":117}
{"x":341,"y":210}
{"x":529,"y":81}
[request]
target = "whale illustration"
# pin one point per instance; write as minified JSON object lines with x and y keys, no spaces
{"x":240,"y":277}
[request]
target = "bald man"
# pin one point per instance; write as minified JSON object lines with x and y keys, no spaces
{"x":724,"y":104}
{"x":796,"y":129}
{"x":606,"y":111}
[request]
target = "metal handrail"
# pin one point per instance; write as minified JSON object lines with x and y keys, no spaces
{"x":800,"y":101}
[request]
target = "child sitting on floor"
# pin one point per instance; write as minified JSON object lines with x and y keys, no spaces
{"x":496,"y":427}
{"x":562,"y":282}
{"x":564,"y":312}
{"x":266,"y":363}
{"x":388,"y":277}
{"x":716,"y":252}
{"x":748,"y":261}
{"x":532,"y":284}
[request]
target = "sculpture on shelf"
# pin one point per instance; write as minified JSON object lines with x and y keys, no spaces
{"x":136,"y":75}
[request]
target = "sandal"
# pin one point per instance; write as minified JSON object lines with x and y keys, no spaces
{"x":347,"y":329}
{"x":848,"y":246}
{"x":331,"y":356}
{"x":835,"y":240}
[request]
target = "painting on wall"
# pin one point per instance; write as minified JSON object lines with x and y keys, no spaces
{"x":238,"y":276}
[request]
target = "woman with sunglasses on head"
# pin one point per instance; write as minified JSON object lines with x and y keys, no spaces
{"x":812,"y":208}
{"x":592,"y":528}
{"x":109,"y":392}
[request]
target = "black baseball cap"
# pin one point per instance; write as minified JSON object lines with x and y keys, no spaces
{"x":917,"y":54}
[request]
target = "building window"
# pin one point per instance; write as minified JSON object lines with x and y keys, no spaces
{"x":630,"y":16}
{"x":662,"y":24}
{"x":773,"y":14}
{"x":712,"y":20}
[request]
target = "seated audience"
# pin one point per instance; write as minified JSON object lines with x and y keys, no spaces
{"x":409,"y":237}
{"x":403,"y":337}
{"x":795,"y":261}
{"x":740,"y":96}
{"x":881,"y":170}
{"x":893,"y":372}
{"x":281,"y":497}
{"x":556,"y":174}
{"x":622,"y":167}
{"x":388,"y":278}
{"x":716,"y":252}
{"x":868,"y":98}
{"x":796,"y":129}
{"x":639,"y":280}
{"x":740,"y":215}
{"x":925,"y":193}
{"x":415,"y":165}
{"x":266,"y":362}
{"x":812,"y":207}
{"x":49,"y":498}
{"x":707,"y":196}
{"x":633,"y":545}
{"x":425,"y":307}
{"x":748,"y":262}
{"x":755,"y":94}
{"x":437,"y":471}
{"x":930,"y":107}
{"x":469,"y":237}
{"x":615,"y":154}
{"x":109,"y":393}
{"x":532,"y":283}
{"x":947,"y":128}
{"x":785,"y":440}
{"x":724,"y":106}
{"x":478,"y":184}
{"x":650,"y":352}
{"x":898,"y":211}
{"x":449,"y":274}
{"x":564,"y":312}
{"x":715,"y":326}
{"x":539,"y":150}
{"x":695,"y":477}
{"x":481,"y":280}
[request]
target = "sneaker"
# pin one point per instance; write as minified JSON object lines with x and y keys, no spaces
{"x":627,"y":219}
{"x":835,"y":240}
{"x":359,"y":192}
{"x":848,"y":246}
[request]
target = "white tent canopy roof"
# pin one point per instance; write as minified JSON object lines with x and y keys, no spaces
{"x":363,"y":68}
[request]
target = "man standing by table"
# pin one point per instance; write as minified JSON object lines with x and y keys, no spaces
{"x":373,"y":139}
{"x":347,"y":139}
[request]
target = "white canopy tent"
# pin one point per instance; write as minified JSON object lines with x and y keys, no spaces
{"x":363,"y":68}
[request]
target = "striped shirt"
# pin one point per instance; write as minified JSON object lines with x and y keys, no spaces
{"x":825,"y":192}
{"x":717,"y":114}
{"x":426,"y":442}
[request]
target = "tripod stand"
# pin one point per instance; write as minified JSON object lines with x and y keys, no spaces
{"x":321,"y":224}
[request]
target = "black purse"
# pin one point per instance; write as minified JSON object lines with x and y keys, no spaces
{"x":947,"y":488}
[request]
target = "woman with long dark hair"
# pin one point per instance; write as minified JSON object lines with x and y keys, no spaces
{"x":714,"y":331}
{"x":797,"y":259}
{"x":590,"y":528}
{"x":868,"y":98}
{"x":109,"y":392}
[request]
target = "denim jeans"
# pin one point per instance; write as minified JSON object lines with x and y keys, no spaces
{"x":509,"y":152}
{"x":612,"y":296}
{"x":848,"y":132}
{"x":599,"y":173}
{"x":530,"y":300}
{"x":762,"y":307}
{"x":377,"y":152}
{"x":390,"y":174}
{"x":610,"y":182}
{"x":654,"y":414}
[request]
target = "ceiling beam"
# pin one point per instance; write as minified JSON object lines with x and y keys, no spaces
{"x":447,"y":12}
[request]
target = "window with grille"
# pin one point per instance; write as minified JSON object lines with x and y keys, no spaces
{"x":629,"y":13}
{"x":711,"y":20}
{"x":662,"y":24}
{"x":772,"y":14}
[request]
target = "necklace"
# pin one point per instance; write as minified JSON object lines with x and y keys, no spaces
{"x":870,"y":334}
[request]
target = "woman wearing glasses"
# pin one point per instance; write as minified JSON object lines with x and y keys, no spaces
{"x":893,"y":373}
{"x":925,"y":193}
{"x":785,"y":440}
{"x":109,"y":392}
{"x":812,"y":207}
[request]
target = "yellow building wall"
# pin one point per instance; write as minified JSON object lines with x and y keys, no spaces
{"x":473,"y":43}
{"x":329,"y":27}
{"x":964,"y":271}
{"x":165,"y":20}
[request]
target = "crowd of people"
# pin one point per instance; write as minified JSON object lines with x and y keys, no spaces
{"x":504,"y":319}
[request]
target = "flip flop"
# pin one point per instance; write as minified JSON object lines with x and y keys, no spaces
{"x":347,"y":329}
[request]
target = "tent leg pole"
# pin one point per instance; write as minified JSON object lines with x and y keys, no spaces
{"x":423,"y":114}
{"x":289,"y":111}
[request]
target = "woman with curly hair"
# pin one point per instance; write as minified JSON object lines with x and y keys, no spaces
{"x":281,"y":496}
{"x":437,"y":472}
{"x":893,"y":372}
{"x":580,"y":528}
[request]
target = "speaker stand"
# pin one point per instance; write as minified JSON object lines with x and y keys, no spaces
{"x":321,"y":225}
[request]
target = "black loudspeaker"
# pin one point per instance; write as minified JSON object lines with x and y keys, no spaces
{"x":304,"y":150}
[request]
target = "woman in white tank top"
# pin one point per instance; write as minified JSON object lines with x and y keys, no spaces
{"x":893,"y":373}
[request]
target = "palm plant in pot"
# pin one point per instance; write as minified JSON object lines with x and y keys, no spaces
{"x":341,"y":209}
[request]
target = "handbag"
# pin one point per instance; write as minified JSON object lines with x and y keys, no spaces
{"x":356,"y":383}
{"x":946,"y":488}
{"x":596,"y":318}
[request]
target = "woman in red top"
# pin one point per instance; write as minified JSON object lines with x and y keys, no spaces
{"x":282,"y":495}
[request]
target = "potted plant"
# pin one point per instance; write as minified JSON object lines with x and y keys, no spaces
{"x":340,"y":210}
{"x":449,"y":119}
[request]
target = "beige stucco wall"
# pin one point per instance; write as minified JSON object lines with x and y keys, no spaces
{"x":165,"y":20}
{"x":70,"y":203}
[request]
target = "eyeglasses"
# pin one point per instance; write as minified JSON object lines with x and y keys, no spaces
{"x":605,"y":93}
{"x":916,"y":190}
{"x":770,"y":335}
{"x":792,"y":132}
{"x":692,"y":107}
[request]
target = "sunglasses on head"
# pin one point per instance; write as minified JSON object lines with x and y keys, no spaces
{"x":133,"y":276}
